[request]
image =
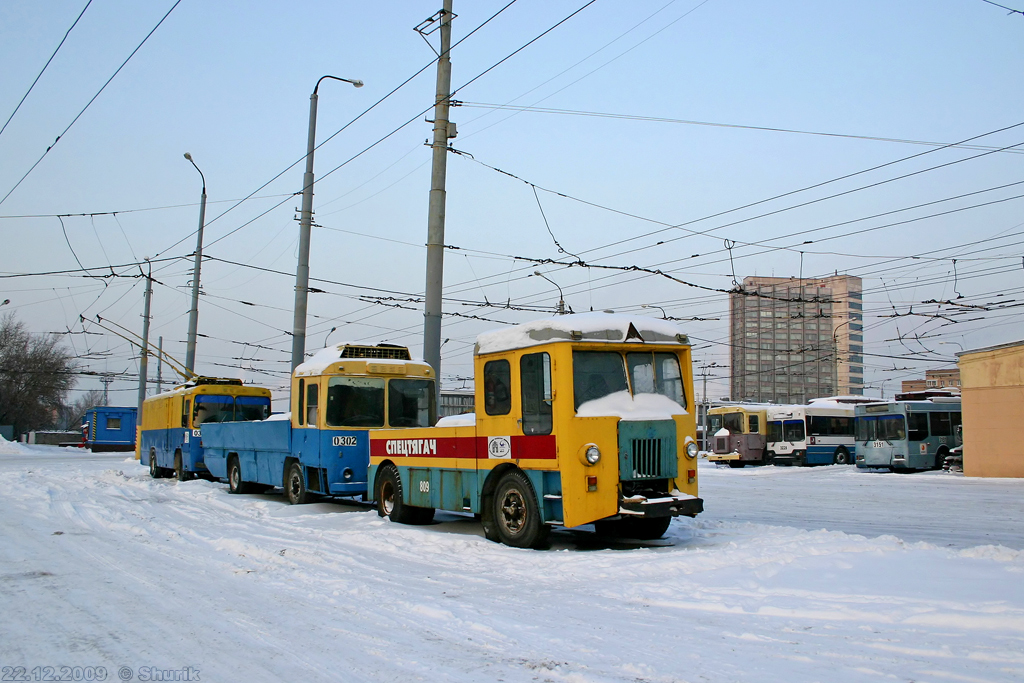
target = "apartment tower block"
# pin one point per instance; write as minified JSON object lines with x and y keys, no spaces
{"x":797,"y":339}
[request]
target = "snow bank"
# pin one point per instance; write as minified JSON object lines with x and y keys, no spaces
{"x":12,"y":448}
{"x":632,"y":408}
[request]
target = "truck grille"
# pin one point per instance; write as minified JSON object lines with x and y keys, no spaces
{"x":721,"y":444}
{"x":647,"y":450}
{"x":646,"y":458}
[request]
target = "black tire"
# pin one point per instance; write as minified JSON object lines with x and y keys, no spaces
{"x":767,"y":458}
{"x":736,"y":464}
{"x":388,"y":492}
{"x":643,"y":529}
{"x":235,"y":483}
{"x":516,"y":513}
{"x":841,"y":457}
{"x":179,"y":468}
{"x":295,"y":485}
{"x":940,"y":457}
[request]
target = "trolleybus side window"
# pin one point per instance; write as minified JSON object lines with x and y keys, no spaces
{"x":754,"y":424}
{"x":302,"y":402}
{"x":917,"y":426}
{"x":535,"y":383}
{"x":354,"y":402}
{"x":733,"y":422}
{"x":184,"y":414}
{"x":596,"y":374}
{"x":497,"y":387}
{"x":311,"y":404}
{"x":656,"y":373}
{"x":941,"y":425}
{"x":411,"y":403}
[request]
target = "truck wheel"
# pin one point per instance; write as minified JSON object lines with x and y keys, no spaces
{"x":179,"y":468}
{"x":295,"y":486}
{"x":841,"y":457}
{"x":389,"y":497}
{"x":235,"y":483}
{"x":516,"y":514}
{"x":640,"y":529}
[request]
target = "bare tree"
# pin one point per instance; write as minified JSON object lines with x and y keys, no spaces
{"x":36,"y":373}
{"x":72,"y":413}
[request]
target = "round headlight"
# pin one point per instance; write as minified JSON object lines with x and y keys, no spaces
{"x":691,"y":450}
{"x":593,"y":455}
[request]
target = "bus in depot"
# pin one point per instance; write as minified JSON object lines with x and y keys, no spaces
{"x":907,"y":435}
{"x":738,"y":434}
{"x":818,"y":433}
{"x":170,"y":442}
{"x":580,"y":419}
{"x":321,"y":446}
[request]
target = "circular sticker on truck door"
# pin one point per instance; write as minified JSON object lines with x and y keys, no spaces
{"x":499,"y":447}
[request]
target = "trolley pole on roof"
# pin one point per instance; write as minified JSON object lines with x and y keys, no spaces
{"x":144,"y":352}
{"x":443,"y":130}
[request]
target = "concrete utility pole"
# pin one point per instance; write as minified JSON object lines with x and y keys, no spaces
{"x":160,"y":365}
{"x":193,"y":314}
{"x":144,"y":353}
{"x":435,"y":217}
{"x":305,"y":223}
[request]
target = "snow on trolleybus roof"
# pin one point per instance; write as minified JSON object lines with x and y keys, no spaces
{"x":586,"y":327}
{"x":381,"y":354}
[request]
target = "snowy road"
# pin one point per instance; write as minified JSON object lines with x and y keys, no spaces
{"x":102,"y":566}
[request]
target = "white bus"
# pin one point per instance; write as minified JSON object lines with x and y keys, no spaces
{"x":819,"y":433}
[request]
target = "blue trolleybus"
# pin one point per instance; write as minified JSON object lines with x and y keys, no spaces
{"x":907,"y":435}
{"x":322,"y":445}
{"x":170,"y":441}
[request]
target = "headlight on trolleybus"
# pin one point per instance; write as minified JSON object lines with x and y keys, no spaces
{"x":691,"y":450}
{"x":590,"y":454}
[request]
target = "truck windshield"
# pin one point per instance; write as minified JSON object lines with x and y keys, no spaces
{"x":411,"y":403}
{"x":714,"y":423}
{"x":656,"y":373}
{"x":355,"y":402}
{"x":596,"y":374}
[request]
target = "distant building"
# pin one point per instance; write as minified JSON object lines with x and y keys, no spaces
{"x":455,"y":403}
{"x":993,"y":407}
{"x":789,"y":333}
{"x":933,"y":379}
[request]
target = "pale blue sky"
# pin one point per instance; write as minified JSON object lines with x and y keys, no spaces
{"x":230,"y":82}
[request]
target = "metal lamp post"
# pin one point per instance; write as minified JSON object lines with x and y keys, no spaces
{"x":561,"y":299}
{"x":835,"y":357}
{"x":193,"y":314}
{"x":305,"y":222}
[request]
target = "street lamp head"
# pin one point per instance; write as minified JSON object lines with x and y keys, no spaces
{"x":538,"y":273}
{"x":188,"y":156}
{"x":357,"y":83}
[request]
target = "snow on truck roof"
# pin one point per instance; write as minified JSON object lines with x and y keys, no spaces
{"x":593,"y":327}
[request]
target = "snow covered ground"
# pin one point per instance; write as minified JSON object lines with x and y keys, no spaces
{"x":102,"y":566}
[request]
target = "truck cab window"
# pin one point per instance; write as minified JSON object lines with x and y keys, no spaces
{"x":596,"y":374}
{"x":535,"y":382}
{"x":497,"y":387}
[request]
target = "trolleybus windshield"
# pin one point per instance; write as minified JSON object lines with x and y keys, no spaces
{"x":881,"y":428}
{"x":355,"y":402}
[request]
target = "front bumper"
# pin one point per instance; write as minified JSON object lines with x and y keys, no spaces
{"x":670,"y":505}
